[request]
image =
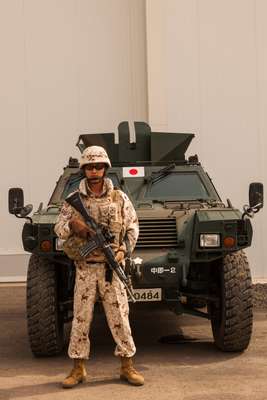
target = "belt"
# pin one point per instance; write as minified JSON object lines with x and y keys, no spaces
{"x":95,"y":265}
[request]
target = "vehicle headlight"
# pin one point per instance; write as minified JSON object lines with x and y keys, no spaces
{"x":209,"y":240}
{"x":59,"y":244}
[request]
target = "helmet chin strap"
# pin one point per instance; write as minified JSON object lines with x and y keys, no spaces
{"x":95,"y":180}
{"x":95,"y":184}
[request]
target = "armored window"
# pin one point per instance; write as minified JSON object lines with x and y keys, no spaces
{"x":178,"y":186}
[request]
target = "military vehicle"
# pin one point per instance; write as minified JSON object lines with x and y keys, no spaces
{"x":189,"y":255}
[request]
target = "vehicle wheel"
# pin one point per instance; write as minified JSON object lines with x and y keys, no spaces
{"x":232,"y":319}
{"x":45,"y":326}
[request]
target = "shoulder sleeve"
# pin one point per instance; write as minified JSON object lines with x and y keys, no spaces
{"x":130,"y":220}
{"x":62,"y":228}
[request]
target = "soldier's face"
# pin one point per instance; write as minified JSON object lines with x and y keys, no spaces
{"x":94,"y":172}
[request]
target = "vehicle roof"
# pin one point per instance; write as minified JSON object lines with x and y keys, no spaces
{"x":148,"y":146}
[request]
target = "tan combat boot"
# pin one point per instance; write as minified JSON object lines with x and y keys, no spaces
{"x":77,"y":374}
{"x":128,"y":372}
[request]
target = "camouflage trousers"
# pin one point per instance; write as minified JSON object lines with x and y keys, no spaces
{"x":90,"y":281}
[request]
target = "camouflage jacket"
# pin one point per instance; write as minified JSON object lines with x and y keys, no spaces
{"x":112,"y":209}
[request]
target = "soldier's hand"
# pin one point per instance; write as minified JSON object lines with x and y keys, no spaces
{"x":119,"y":256}
{"x":119,"y":251}
{"x":79,"y":228}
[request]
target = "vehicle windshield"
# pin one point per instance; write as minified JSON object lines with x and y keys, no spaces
{"x":178,"y":186}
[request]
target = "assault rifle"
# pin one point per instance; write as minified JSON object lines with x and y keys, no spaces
{"x":101,"y":239}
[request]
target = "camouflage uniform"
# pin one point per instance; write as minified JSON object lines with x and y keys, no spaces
{"x":113,"y":209}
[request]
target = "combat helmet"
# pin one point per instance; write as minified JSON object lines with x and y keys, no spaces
{"x":94,"y":154}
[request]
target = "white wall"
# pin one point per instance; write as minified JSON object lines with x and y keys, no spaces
{"x":207,"y":74}
{"x":67,"y":67}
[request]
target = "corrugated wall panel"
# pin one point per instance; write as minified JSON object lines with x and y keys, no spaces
{"x":213,"y":83}
{"x":67,"y":67}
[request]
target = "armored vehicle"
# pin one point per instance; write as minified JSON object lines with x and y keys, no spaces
{"x":190,"y":252}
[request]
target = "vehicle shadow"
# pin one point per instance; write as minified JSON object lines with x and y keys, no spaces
{"x":192,"y":343}
{"x":191,"y":346}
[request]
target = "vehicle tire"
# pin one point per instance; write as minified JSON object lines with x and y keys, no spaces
{"x":232,"y":319}
{"x":45,"y":326}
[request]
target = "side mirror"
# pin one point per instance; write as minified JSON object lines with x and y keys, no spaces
{"x":15,"y":200}
{"x":256,"y":195}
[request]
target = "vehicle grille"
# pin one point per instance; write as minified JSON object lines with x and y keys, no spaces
{"x":159,"y":232}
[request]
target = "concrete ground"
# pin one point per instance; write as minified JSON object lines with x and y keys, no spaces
{"x":195,"y":370}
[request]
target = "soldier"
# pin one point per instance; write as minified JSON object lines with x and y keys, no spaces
{"x":112,"y":208}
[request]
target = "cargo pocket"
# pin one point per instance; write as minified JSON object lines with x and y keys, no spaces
{"x":116,"y":228}
{"x":104,"y":214}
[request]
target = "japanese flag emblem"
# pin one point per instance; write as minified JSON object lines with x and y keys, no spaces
{"x":133,"y":172}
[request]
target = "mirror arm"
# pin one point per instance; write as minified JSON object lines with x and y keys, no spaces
{"x":20,"y":216}
{"x":250,"y":211}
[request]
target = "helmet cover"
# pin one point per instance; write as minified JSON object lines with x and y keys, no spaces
{"x":93,"y":155}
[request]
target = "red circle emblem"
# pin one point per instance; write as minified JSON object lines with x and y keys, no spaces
{"x":133,"y":171}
